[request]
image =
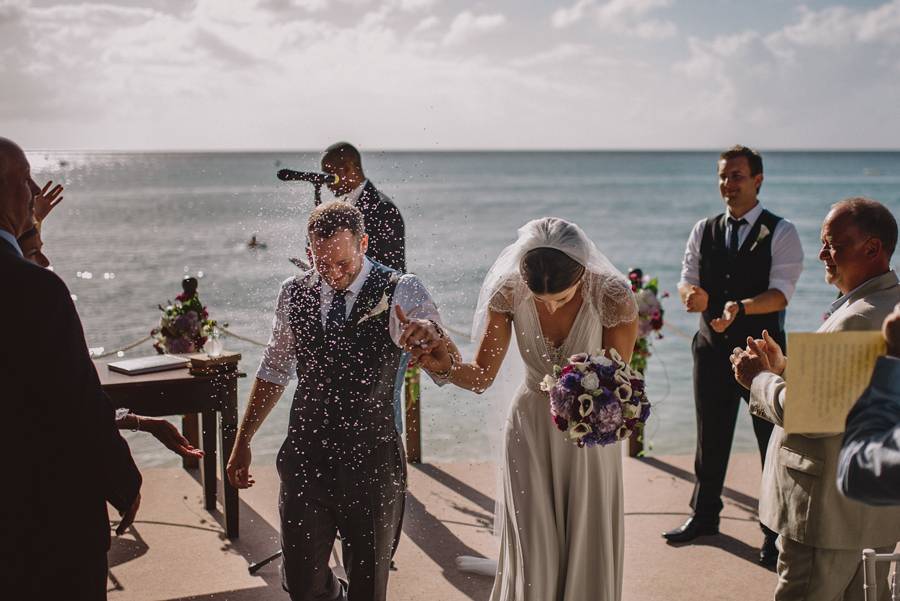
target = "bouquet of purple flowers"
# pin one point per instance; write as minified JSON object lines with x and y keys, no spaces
{"x":183,"y":328}
{"x":596,"y":399}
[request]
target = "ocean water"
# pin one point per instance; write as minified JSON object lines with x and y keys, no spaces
{"x":133,"y":224}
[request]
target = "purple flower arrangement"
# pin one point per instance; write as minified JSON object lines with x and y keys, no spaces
{"x":183,"y":328}
{"x":597,"y":400}
{"x":650,"y":316}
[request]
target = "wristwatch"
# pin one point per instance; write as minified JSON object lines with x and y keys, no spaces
{"x":741,"y":310}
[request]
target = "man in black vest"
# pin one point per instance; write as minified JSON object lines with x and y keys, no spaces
{"x":740,"y":270}
{"x":339,"y":327}
{"x":384,"y":225}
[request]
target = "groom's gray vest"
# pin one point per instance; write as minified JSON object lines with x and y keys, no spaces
{"x":343,"y":406}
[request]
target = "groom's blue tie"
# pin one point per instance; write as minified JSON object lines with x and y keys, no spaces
{"x":338,"y":311}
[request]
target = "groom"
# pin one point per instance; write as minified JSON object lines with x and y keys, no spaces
{"x":339,"y":327}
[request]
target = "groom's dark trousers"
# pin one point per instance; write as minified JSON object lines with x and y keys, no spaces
{"x":342,"y":467}
{"x":364,"y":502}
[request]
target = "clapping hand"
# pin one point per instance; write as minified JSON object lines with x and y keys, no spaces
{"x":777,"y":360}
{"x":696,"y":300}
{"x":728,"y":315}
{"x":759,"y":356}
{"x":47,"y":201}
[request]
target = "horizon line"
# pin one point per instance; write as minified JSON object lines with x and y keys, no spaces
{"x":448,"y":150}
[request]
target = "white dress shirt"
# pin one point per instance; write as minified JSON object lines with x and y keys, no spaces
{"x":787,"y":253}
{"x":12,"y":240}
{"x":279,"y":362}
{"x":353,"y":197}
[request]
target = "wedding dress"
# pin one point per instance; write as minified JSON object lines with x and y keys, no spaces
{"x":562,"y":523}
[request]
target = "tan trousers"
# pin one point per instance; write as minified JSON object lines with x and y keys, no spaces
{"x":814,"y":574}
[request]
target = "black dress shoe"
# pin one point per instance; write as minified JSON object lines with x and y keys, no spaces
{"x":768,"y":553}
{"x":691,"y":529}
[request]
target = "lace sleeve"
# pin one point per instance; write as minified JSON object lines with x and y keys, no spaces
{"x":504,"y":299}
{"x":612,"y":299}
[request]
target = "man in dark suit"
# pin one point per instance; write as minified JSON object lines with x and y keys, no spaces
{"x":384,"y":225}
{"x":59,"y":441}
{"x":740,"y":270}
{"x":339,"y":328}
{"x":869,"y":464}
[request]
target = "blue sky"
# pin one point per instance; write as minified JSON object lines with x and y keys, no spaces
{"x":450,"y":74}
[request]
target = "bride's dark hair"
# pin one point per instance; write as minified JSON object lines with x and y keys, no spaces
{"x":549,"y":271}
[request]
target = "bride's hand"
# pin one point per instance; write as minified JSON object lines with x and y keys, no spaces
{"x":435,"y":357}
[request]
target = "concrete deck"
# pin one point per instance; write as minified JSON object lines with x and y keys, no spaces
{"x":177,"y":550}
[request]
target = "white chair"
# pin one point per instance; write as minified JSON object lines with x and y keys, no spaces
{"x":871,"y":584}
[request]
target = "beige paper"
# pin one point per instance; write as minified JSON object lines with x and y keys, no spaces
{"x":826,"y":374}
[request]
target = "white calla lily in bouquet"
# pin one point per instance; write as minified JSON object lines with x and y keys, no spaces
{"x":597,"y":400}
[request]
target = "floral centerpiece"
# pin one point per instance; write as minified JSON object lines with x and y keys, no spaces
{"x":185,"y":325}
{"x":597,"y":399}
{"x":650,"y":316}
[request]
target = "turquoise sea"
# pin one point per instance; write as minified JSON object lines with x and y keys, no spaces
{"x":133,"y":224}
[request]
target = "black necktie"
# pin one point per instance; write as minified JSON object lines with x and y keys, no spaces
{"x":338,"y":311}
{"x":735,"y":228}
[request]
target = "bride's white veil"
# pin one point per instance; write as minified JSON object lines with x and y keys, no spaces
{"x":548,"y":232}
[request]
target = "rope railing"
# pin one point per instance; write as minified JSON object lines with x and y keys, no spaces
{"x":239,"y":337}
{"x":228,"y":332}
{"x":98,"y":353}
{"x":119,"y":350}
{"x":682,"y":334}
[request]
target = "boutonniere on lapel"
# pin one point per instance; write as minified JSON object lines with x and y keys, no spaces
{"x":378,"y":309}
{"x":763,"y":232}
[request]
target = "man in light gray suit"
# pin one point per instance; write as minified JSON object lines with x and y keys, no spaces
{"x":821,"y":533}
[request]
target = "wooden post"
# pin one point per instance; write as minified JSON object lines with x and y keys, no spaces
{"x":413,"y":421}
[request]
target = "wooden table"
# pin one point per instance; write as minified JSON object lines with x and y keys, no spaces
{"x":176,"y":392}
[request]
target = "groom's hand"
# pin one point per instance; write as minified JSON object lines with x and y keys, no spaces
{"x":238,"y":468}
{"x":415,"y":334}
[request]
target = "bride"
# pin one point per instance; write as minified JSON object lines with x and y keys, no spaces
{"x":562,"y":528}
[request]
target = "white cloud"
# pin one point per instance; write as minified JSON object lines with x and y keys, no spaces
{"x":466,"y":24}
{"x":414,"y":5}
{"x":563,"y":17}
{"x":12,"y":10}
{"x":287,"y":5}
{"x":269,"y":74}
{"x":564,"y":53}
{"x":624,"y":17}
{"x":427,"y":24}
{"x":840,"y":25}
{"x":618,"y":9}
{"x":831,"y":74}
